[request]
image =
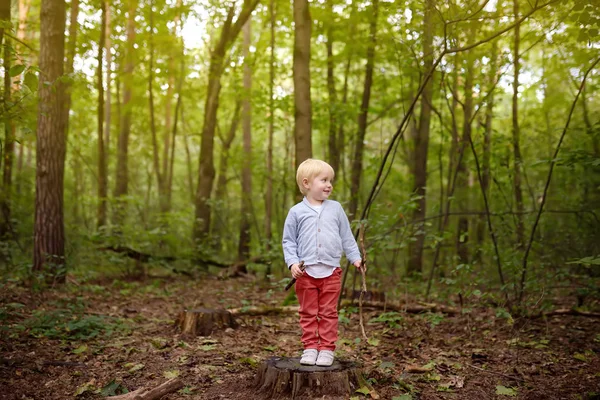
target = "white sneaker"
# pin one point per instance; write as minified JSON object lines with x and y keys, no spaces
{"x":325,"y":358}
{"x":309,"y":357}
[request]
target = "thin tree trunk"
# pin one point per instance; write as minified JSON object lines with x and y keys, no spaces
{"x":269,"y":189}
{"x":49,"y":233}
{"x":221,"y":190}
{"x":7,"y":149}
{"x":24,"y":6}
{"x":334,"y":154}
{"x":122,"y":176}
{"x":169,"y":187}
{"x":188,"y":159}
{"x":301,"y":67}
{"x":102,"y":184}
{"x":206,"y":172}
{"x":462,"y":179}
{"x":415,"y":252}
{"x":103,"y":174}
{"x":516,"y":133}
{"x":71,"y":48}
{"x":246,"y":205}
{"x":357,"y":163}
{"x":160,"y":178}
{"x":487,"y":137}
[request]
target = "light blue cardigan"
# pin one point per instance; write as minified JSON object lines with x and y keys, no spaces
{"x":318,"y":238}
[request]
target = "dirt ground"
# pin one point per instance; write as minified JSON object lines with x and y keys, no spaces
{"x":474,"y":355}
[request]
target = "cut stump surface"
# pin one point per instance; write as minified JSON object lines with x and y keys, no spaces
{"x":203,"y":321}
{"x":286,"y":378}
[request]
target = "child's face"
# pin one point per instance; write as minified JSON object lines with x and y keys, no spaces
{"x":320,"y":187}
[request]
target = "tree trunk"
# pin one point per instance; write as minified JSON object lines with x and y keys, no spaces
{"x":101,"y":212}
{"x":160,"y":178}
{"x":301,"y":67}
{"x":103,"y":172}
{"x":71,"y":49}
{"x":206,"y":172}
{"x":462,"y":178}
{"x":357,"y":164}
{"x":516,"y":133}
{"x":122,"y":176}
{"x":415,"y":250}
{"x":221,"y":190}
{"x":6,"y":153}
{"x":487,"y":137}
{"x":269,"y":189}
{"x":49,"y":234}
{"x":333,"y":152}
{"x":246,"y":198}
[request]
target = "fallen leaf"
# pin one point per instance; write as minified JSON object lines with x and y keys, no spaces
{"x":505,"y":391}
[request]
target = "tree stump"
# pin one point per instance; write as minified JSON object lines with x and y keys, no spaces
{"x":202,"y":321}
{"x":286,"y":378}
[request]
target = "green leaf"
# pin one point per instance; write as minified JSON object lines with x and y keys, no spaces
{"x":133,"y":367}
{"x":580,"y":357}
{"x":80,"y":349}
{"x":16,"y":70}
{"x":110,"y":389}
{"x":505,"y":391}
{"x":86,"y":387}
{"x":583,"y":36}
{"x":171,"y":374}
{"x":364,"y":390}
{"x":373,"y":341}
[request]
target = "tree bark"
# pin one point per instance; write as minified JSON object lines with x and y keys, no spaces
{"x":122,"y":175}
{"x":6,"y":153}
{"x":357,"y":164}
{"x":206,"y":172}
{"x":462,"y":178}
{"x":103,"y":157}
{"x":49,"y":235}
{"x":301,"y":67}
{"x":415,"y":250}
{"x":246,"y":198}
{"x":334,"y":154}
{"x":516,"y":133}
{"x":269,"y":189}
{"x":101,"y":212}
{"x":160,"y":177}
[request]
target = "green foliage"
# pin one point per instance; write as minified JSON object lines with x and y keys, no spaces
{"x":392,"y":319}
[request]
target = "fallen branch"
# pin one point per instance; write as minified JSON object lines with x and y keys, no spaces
{"x":411,"y":309}
{"x":567,"y":311}
{"x":38,"y":365}
{"x":169,"y":386}
{"x":496,"y":373}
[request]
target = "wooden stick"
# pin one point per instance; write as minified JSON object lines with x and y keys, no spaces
{"x":289,"y":285}
{"x":169,"y":386}
{"x":363,"y":289}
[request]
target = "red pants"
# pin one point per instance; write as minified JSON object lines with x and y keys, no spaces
{"x":318,"y":310}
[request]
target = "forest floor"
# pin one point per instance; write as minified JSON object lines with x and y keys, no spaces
{"x":90,"y":340}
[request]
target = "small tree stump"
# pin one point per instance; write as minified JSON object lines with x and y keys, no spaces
{"x":286,"y":378}
{"x":203,"y":321}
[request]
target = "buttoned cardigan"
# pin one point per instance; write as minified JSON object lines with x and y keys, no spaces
{"x":318,"y":238}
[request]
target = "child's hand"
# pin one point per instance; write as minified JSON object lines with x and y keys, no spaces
{"x":296,"y":271}
{"x":359,"y":265}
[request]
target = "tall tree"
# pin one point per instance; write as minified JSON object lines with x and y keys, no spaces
{"x":515,"y":131}
{"x":122,"y":178}
{"x":269,"y":189}
{"x":333,"y":152}
{"x":206,"y":172}
{"x":302,"y":102}
{"x":49,"y":234}
{"x":462,"y":170}
{"x":246,"y":206}
{"x":103,"y":156}
{"x":102,"y":181}
{"x":7,"y":153}
{"x":357,"y":161}
{"x":421,"y":146}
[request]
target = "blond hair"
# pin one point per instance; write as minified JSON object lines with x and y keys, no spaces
{"x":309,"y":169}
